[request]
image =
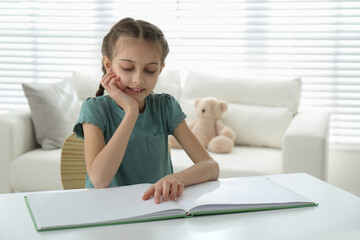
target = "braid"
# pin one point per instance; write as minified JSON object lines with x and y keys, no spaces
{"x":100,"y":91}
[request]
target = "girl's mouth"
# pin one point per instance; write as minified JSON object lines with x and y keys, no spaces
{"x":136,"y":90}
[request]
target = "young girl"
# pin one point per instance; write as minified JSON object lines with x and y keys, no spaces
{"x":126,"y":133}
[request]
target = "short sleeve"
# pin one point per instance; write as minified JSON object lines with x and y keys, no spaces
{"x":173,"y":112}
{"x":91,"y":112}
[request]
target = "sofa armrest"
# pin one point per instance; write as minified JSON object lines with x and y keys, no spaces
{"x":17,"y":137}
{"x":305,"y":143}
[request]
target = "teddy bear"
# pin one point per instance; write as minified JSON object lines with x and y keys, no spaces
{"x":212,"y":133}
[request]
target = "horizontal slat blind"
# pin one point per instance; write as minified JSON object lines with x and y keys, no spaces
{"x":318,"y":40}
{"x":43,"y":41}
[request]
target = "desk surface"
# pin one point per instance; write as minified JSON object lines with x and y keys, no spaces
{"x":336,"y":217}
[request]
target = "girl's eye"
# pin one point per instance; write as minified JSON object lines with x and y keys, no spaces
{"x":149,"y":71}
{"x":127,"y":69}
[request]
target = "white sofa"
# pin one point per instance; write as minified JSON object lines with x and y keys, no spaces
{"x":272,"y":137}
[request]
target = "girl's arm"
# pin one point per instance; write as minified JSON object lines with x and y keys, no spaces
{"x":204,"y":169}
{"x":102,"y":162}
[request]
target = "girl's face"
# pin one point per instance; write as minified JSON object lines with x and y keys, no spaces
{"x":138,"y":64}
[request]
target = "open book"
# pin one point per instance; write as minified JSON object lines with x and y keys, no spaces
{"x":96,"y":207}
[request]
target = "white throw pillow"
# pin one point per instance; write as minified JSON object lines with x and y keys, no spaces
{"x":169,"y":82}
{"x":86,"y":82}
{"x":54,"y":110}
{"x":258,"y":126}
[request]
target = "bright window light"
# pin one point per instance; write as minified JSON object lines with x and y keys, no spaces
{"x":45,"y":40}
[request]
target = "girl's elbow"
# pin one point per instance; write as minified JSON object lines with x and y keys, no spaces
{"x":215,"y":170}
{"x":100,"y":186}
{"x":98,"y":182}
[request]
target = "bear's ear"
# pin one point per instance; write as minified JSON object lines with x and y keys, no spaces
{"x":197,"y":102}
{"x":223,"y":106}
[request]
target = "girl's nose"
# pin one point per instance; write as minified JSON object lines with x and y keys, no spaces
{"x":138,"y":78}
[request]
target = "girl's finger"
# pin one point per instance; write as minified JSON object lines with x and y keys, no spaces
{"x":118,"y":83}
{"x":108,"y":74}
{"x":109,"y":80}
{"x":157,"y":194}
{"x":166,"y":188}
{"x":112,"y":82}
{"x":149,"y":193}
{"x":180,"y":190}
{"x":174,"y":186}
{"x":111,"y":76}
{"x":106,"y":79}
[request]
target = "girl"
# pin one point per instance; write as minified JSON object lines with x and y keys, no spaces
{"x":126,"y":133}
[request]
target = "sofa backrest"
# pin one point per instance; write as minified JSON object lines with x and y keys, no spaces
{"x":260,"y":108}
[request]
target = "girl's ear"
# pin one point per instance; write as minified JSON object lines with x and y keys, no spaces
{"x":107,"y":63}
{"x":162,"y":66}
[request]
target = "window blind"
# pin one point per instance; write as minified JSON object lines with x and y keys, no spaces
{"x":317,"y":40}
{"x":43,"y":41}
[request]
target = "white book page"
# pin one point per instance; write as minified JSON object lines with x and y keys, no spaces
{"x":95,"y":206}
{"x":237,"y":193}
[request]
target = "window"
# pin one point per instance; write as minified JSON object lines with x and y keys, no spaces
{"x":318,"y":40}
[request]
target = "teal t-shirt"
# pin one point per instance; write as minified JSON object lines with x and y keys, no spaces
{"x":147,"y":157}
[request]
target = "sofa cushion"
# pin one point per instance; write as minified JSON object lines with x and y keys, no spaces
{"x":258,"y":125}
{"x":242,"y":161}
{"x":260,"y":108}
{"x":36,"y":170}
{"x":54,"y":109}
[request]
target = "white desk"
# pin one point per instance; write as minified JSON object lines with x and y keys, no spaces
{"x":336,"y":217}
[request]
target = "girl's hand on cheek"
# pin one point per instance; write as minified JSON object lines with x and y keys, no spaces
{"x":167,"y":188}
{"x":112,"y":85}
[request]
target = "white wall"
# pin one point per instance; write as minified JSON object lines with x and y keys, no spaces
{"x":343,"y":167}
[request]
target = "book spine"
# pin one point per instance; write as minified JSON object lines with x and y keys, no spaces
{"x":189,"y":215}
